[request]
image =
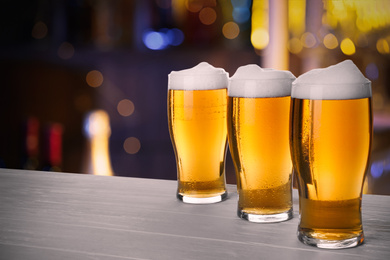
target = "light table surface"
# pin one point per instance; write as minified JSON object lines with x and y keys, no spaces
{"x":48,"y":215}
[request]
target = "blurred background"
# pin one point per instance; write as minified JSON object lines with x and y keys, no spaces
{"x":84,"y":82}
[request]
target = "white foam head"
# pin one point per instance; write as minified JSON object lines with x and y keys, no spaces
{"x":201,"y":77}
{"x":341,"y":81}
{"x":252,"y":81}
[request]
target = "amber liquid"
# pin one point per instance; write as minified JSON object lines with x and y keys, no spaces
{"x":331,"y":142}
{"x":259,"y":145}
{"x":197,"y":124}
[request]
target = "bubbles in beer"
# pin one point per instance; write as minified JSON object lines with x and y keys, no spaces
{"x":253,"y":81}
{"x":341,"y":81}
{"x":201,"y":77}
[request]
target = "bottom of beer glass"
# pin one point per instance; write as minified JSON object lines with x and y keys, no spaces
{"x":308,"y":239}
{"x":270,"y":218}
{"x":202,"y":200}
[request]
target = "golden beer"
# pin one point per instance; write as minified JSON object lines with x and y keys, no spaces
{"x":330,"y":145}
{"x":258,"y":133}
{"x":197,"y":124}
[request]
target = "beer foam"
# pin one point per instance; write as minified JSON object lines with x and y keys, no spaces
{"x":341,"y":81}
{"x":252,"y":81}
{"x":201,"y":77}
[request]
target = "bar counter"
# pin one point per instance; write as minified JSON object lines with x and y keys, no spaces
{"x":50,"y":215}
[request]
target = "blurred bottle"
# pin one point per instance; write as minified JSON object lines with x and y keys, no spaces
{"x":52,"y":140}
{"x":30,"y":145}
{"x":97,"y":131}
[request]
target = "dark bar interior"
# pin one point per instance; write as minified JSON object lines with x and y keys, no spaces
{"x":87,"y":79}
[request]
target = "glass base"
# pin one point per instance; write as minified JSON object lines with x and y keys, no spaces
{"x":273,"y":218}
{"x":330,"y":244}
{"x":202,"y":200}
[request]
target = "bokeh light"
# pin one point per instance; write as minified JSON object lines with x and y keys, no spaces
{"x":39,"y":30}
{"x":260,"y":38}
{"x":308,"y":40}
{"x":125,"y":107}
{"x":383,"y":46}
{"x":207,"y":16}
{"x":296,"y":17}
{"x":259,"y":24}
{"x":175,"y":36}
{"x":330,"y":41}
{"x":295,"y":45}
{"x":154,"y":40}
{"x":65,"y":51}
{"x":94,"y":78}
{"x":194,"y":6}
{"x":377,"y":169}
{"x":241,"y":14}
{"x":363,"y":25}
{"x":132,"y":145}
{"x":230,"y":30}
{"x":160,"y":40}
{"x":347,"y":46}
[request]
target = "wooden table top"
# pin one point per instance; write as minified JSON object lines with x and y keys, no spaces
{"x":47,"y":215}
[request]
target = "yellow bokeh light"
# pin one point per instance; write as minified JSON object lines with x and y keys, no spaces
{"x":98,"y":130}
{"x":382,"y":46}
{"x":294,"y":45}
{"x":365,"y":16}
{"x":259,"y":33}
{"x":347,"y":46}
{"x":125,"y":107}
{"x":260,"y":38}
{"x":330,"y":41}
{"x":363,"y":25}
{"x":94,"y":78}
{"x":132,"y":145}
{"x":230,"y":30}
{"x":296,"y":16}
{"x":207,"y":16}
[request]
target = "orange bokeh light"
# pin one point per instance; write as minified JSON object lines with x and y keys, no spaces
{"x":94,"y":78}
{"x":207,"y":15}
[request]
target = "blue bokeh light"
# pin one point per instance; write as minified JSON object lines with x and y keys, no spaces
{"x":162,"y":39}
{"x":154,"y":40}
{"x":175,"y":36}
{"x":241,"y":14}
{"x":241,"y":10}
{"x":377,"y":169}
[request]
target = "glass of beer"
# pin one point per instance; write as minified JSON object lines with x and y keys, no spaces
{"x":197,"y":104}
{"x":330,"y":143}
{"x":258,"y":133}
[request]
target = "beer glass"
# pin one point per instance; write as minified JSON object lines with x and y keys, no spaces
{"x":330,"y":143}
{"x":258,"y":133}
{"x":197,"y":123}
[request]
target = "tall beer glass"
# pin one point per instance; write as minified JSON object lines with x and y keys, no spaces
{"x":331,"y":142}
{"x":197,"y":104}
{"x":258,"y":133}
